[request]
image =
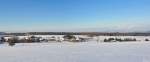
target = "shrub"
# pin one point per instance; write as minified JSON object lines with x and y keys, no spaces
{"x":12,"y":41}
{"x":146,"y":39}
{"x":2,"y":40}
{"x":111,"y":39}
{"x":129,"y":39}
{"x":69,"y":37}
{"x":134,"y":39}
{"x":118,"y":39}
{"x":105,"y":40}
{"x":33,"y":39}
{"x":82,"y":40}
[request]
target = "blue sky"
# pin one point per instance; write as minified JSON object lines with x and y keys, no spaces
{"x":74,"y":15}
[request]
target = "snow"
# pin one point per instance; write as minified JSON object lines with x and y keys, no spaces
{"x":76,"y":52}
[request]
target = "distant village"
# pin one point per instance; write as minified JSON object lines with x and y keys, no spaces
{"x":37,"y":37}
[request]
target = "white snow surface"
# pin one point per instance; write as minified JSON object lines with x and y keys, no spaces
{"x":76,"y":52}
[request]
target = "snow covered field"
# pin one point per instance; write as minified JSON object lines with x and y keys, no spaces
{"x":76,"y":52}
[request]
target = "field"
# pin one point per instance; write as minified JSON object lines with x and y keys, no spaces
{"x":76,"y":52}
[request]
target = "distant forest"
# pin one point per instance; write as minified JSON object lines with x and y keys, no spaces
{"x":79,"y":33}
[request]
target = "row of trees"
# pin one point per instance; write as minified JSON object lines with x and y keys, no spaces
{"x":121,"y":40}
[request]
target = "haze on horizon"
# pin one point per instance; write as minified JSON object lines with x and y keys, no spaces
{"x":74,"y":15}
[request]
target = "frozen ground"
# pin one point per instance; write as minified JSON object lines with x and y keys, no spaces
{"x":76,"y":52}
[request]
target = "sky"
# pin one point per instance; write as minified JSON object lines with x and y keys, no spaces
{"x":74,"y":15}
